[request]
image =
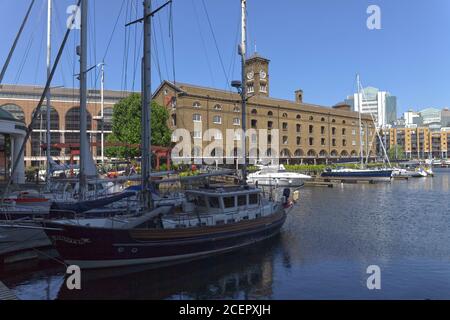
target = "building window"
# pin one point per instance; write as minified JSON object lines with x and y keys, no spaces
{"x":344,"y":143}
{"x":236,"y":121}
{"x":254,"y":112}
{"x":353,"y":143}
{"x":299,"y":127}
{"x":333,"y":131}
{"x":285,"y":140}
{"x":334,"y":120}
{"x":323,"y":119}
{"x":270,"y":114}
{"x":196,"y":105}
{"x":254,"y":123}
{"x":311,"y":129}
{"x":197,"y":117}
{"x":344,"y":122}
{"x":285,"y":115}
{"x":299,"y":117}
{"x":269,"y":124}
{"x":237,"y":109}
{"x":269,"y":138}
{"x":285,"y":126}
{"x":354,"y":132}
{"x":218,"y":107}
{"x":311,"y":141}
{"x":197,"y":134}
{"x":174,"y":120}
{"x":333,"y":142}
{"x":311,"y":118}
{"x":217,"y":119}
{"x":322,"y":141}
{"x":218,"y":135}
{"x":15,"y":110}
{"x":322,"y":130}
{"x":299,"y":141}
{"x":250,"y":89}
{"x":263,"y":88}
{"x":343,"y":131}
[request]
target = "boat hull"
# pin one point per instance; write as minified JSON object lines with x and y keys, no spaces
{"x":277,"y":182}
{"x":94,"y":248}
{"x":381,"y":175}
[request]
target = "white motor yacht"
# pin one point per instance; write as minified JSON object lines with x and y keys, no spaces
{"x":276,"y":175}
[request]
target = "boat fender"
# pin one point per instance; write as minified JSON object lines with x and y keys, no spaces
{"x":286,"y":195}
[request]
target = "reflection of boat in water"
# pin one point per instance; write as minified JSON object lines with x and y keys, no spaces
{"x":244,"y":274}
{"x":276,"y":175}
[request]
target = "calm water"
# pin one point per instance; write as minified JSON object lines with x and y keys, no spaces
{"x":322,"y":253}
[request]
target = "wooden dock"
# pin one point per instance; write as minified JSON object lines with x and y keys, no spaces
{"x":6,"y":294}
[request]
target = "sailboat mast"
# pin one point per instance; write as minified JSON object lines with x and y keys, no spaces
{"x":102,"y":115}
{"x":83,"y":99}
{"x":48,"y":96}
{"x":361,"y":150}
{"x":243,"y":53}
{"x":146,"y":107}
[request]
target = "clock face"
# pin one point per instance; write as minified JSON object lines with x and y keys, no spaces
{"x":262,"y":74}
{"x":250,"y":75}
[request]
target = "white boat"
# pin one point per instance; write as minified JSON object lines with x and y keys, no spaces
{"x":276,"y":175}
{"x":400,"y":172}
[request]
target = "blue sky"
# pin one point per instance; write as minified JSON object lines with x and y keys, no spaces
{"x":315,"y":45}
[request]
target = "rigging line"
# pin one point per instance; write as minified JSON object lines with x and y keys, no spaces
{"x":135,"y":48}
{"x":124,"y":59}
{"x":41,"y":48}
{"x":68,"y":57}
{"x":203,"y":43}
{"x":163,"y":46}
{"x":172,"y":36}
{"x":28,"y":47}
{"x":233,"y":52}
{"x":215,"y":43}
{"x":113,"y":31}
{"x":155,"y":53}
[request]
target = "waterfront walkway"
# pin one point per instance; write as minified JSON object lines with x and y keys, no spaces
{"x":6,"y":293}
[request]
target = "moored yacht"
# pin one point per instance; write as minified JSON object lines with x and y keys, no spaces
{"x":359,"y":174}
{"x":213,"y":220}
{"x":277,"y":176}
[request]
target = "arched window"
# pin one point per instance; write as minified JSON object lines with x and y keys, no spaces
{"x":73,"y":124}
{"x":285,"y":153}
{"x":254,"y":112}
{"x":311,"y":118}
{"x":334,"y":153}
{"x":237,"y":109}
{"x":217,"y":107}
{"x":39,"y":136}
{"x":270,"y":114}
{"x":285,"y":115}
{"x":323,"y":154}
{"x":73,"y":119}
{"x":15,"y":110}
{"x":196,"y":105}
{"x":323,"y":119}
{"x":311,"y":153}
{"x":299,"y":117}
{"x":298,"y":153}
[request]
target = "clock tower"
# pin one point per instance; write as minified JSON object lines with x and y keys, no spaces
{"x":257,"y":75}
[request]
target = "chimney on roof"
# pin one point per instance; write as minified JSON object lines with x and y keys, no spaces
{"x":299,"y":96}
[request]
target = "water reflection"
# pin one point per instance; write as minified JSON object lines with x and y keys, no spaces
{"x":323,"y":251}
{"x":247,"y":274}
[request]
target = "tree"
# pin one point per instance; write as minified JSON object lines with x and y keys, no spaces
{"x":396,"y":153}
{"x":126,"y":127}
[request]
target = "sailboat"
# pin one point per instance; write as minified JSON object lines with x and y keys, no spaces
{"x":211,"y":221}
{"x":363,"y":173}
